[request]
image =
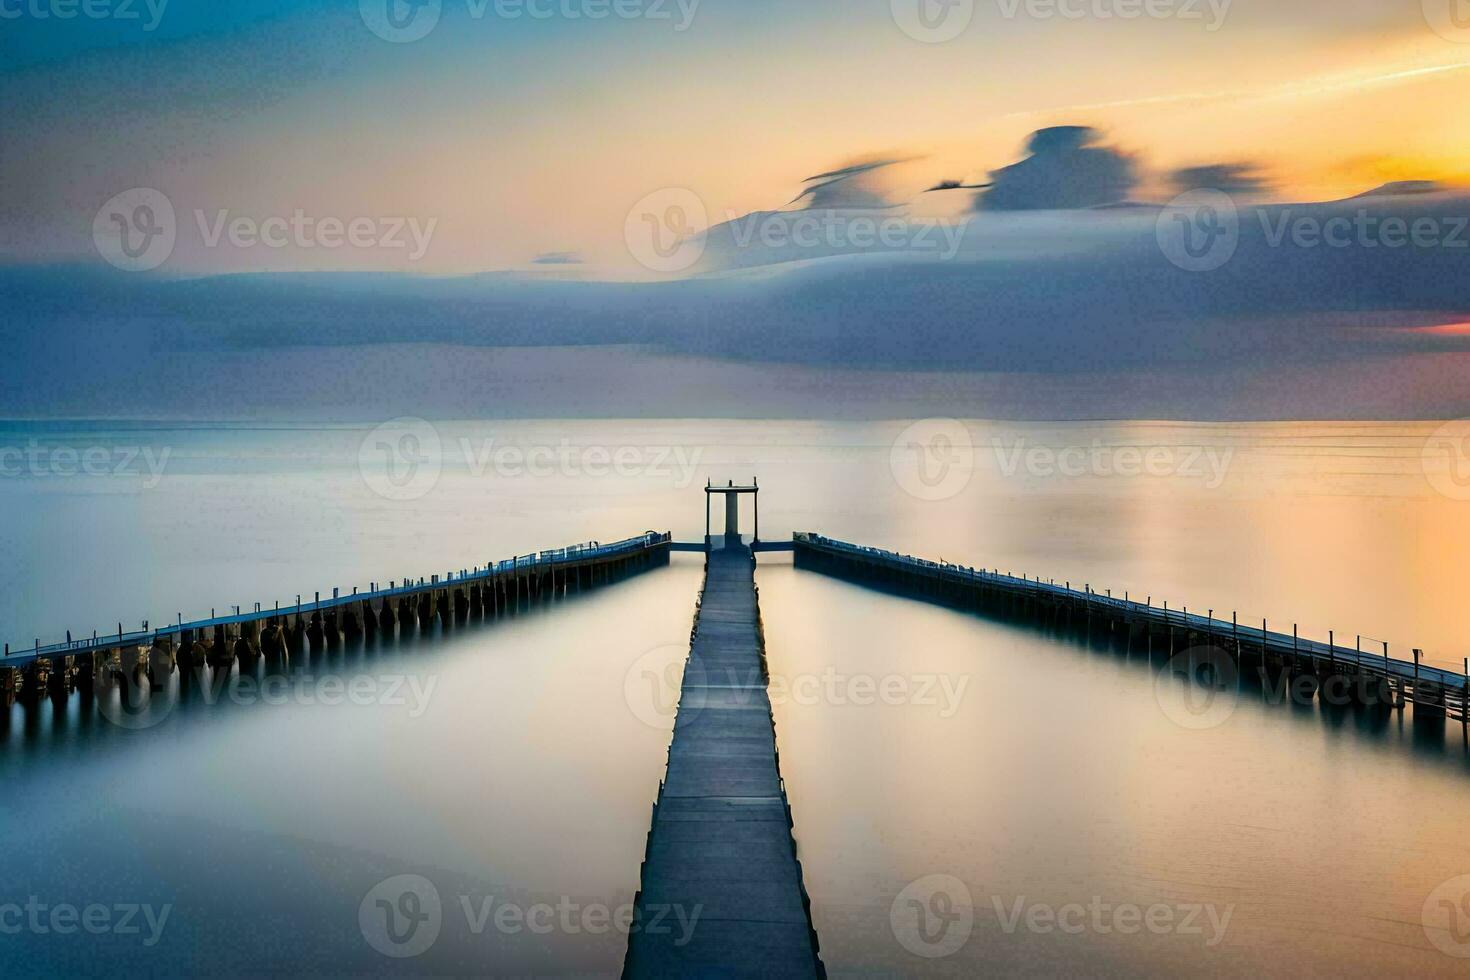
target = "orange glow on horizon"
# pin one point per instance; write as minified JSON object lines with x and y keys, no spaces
{"x":1444,"y":330}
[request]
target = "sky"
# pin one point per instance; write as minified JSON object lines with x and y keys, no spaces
{"x":518,"y":130}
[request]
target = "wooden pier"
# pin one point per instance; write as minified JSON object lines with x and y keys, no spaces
{"x":277,"y":634}
{"x":1312,"y":668}
{"x":721,"y":845}
{"x":721,"y":856}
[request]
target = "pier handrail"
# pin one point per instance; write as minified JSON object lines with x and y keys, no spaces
{"x":1261,"y":635}
{"x":539,"y":561}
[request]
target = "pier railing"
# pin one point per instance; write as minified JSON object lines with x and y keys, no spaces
{"x":537,"y":563}
{"x":1329,"y":654}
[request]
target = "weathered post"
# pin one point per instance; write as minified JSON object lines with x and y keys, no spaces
{"x":160,"y":660}
{"x":315,"y":634}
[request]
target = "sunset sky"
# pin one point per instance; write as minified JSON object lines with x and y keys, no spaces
{"x":523,"y":136}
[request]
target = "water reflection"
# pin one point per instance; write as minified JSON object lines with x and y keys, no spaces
{"x":1066,"y":777}
{"x":1056,"y":778}
{"x":500,"y":761}
{"x":363,"y":670}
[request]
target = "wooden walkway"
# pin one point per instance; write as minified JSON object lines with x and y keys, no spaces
{"x":281,"y":633}
{"x":1376,"y":679}
{"x":721,"y":845}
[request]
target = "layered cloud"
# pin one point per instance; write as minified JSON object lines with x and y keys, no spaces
{"x":1066,"y":169}
{"x":1212,"y":291}
{"x":1231,"y":178}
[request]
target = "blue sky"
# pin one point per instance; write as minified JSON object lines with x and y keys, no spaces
{"x":292,"y":137}
{"x":520,"y":135}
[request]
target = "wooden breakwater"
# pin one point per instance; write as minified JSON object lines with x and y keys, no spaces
{"x":1312,"y":668}
{"x":278,"y":633}
{"x":721,"y":853}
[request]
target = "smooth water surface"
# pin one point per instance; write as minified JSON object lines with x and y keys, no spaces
{"x":1048,"y":770}
{"x":1008,"y":774}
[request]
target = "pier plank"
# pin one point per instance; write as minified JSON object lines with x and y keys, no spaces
{"x":721,"y":840}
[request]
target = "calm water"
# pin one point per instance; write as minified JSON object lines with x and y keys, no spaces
{"x":514,"y":765}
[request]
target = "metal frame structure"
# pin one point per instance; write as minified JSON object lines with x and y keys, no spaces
{"x":730,"y":488}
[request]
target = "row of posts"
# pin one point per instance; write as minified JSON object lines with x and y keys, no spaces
{"x":276,"y":636}
{"x":1382,"y":680}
